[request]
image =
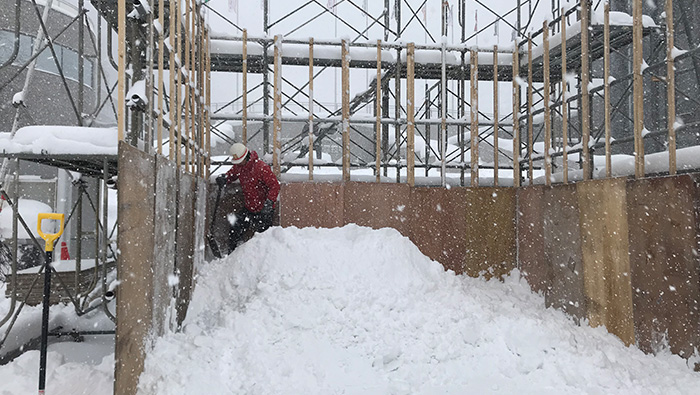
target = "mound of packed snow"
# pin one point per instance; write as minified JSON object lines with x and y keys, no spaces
{"x":359,"y":311}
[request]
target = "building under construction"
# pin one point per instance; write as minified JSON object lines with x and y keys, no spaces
{"x":559,"y":139}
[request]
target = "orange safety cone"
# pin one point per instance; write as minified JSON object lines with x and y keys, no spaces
{"x":64,"y":251}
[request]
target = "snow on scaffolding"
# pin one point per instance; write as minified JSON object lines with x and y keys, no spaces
{"x":60,"y":140}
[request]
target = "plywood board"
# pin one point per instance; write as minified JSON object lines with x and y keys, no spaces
{"x":184,"y":258}
{"x":530,"y":217}
{"x":562,"y":251}
{"x":491,"y":246}
{"x":605,"y":246}
{"x":437,"y":225}
{"x":377,"y":205}
{"x":136,"y":240}
{"x":164,"y":242}
{"x":662,"y":237}
{"x":311,"y":204}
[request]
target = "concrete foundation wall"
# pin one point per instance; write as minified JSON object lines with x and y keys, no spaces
{"x":619,"y":253}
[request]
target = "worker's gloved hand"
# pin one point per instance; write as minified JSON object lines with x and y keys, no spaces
{"x":268,"y":207}
{"x":221,"y":181}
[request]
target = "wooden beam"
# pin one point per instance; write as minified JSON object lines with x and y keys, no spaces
{"x":529,"y":110}
{"x":606,"y":89}
{"x":495,"y":115}
{"x":671,"y":88}
{"x":346,"y":109}
{"x":585,"y":96}
{"x":311,"y":109}
{"x":547,"y":113}
{"x":474,"y":103}
{"x":244,"y":83}
{"x":121,"y":59}
{"x":378,"y":109}
{"x":188,"y":115}
{"x":564,"y":105}
{"x":277,"y":110}
{"x":172,"y":75}
{"x":638,"y":88}
{"x":410,"y":114}
{"x":207,"y":110}
{"x":177,"y":146}
{"x":516,"y":116}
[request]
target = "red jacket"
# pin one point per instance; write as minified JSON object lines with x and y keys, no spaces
{"x":257,"y":181}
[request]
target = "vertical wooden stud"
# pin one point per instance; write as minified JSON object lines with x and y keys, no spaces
{"x":606,"y":89}
{"x":277,"y":112}
{"x":161,"y":83}
{"x":311,"y":109}
{"x":244,"y":83}
{"x":638,"y":88}
{"x":378,"y":124}
{"x":529,"y":110}
{"x":564,"y":104}
{"x":410,"y":114}
{"x":495,"y":115}
{"x":346,"y":109}
{"x":547,"y":115}
{"x":671,"y":88}
{"x":172,"y":75}
{"x":516,"y":116}
{"x":585,"y":96}
{"x":207,"y":129}
{"x":474,"y":102}
{"x":121,"y":82}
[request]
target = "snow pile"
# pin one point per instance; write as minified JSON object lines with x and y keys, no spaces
{"x":57,"y":140}
{"x":358,"y":311}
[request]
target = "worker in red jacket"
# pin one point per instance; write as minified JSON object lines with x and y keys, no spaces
{"x":260,"y":190}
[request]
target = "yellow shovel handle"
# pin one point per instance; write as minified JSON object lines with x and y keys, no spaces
{"x":49,"y":238}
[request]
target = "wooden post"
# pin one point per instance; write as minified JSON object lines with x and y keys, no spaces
{"x":638,"y":88}
{"x":244,"y":83}
{"x":529,"y":109}
{"x":410,"y":116}
{"x":191,"y":71}
{"x":187,"y":110}
{"x":311,"y":109}
{"x":585,"y":97}
{"x":547,"y":115}
{"x":495,"y":115}
{"x":378,"y":124}
{"x":172,"y":70}
{"x":474,"y":102}
{"x":178,"y":89}
{"x":606,"y":87}
{"x":277,"y":111}
{"x":516,"y":116}
{"x":161,"y":64}
{"x":564,"y":104}
{"x":207,"y":129}
{"x":121,"y":82}
{"x":148,"y":114}
{"x":671,"y":88}
{"x":346,"y":109}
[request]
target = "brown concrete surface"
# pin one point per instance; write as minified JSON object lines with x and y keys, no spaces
{"x":377,"y":205}
{"x":311,"y":204}
{"x":605,"y":246}
{"x":136,"y":241}
{"x":530,"y":217}
{"x":662,"y":232}
{"x":184,"y":252}
{"x":436,"y":225}
{"x":490,"y":231}
{"x":562,"y":251}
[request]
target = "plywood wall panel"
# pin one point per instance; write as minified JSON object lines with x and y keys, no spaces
{"x":184,"y":258}
{"x":662,"y":236}
{"x":377,"y":205}
{"x":605,"y":246}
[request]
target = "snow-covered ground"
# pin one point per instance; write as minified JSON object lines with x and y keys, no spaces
{"x":358,"y":311}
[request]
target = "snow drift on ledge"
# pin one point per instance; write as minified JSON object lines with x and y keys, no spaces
{"x":358,"y":311}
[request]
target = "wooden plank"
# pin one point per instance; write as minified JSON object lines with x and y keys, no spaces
{"x":277,"y":110}
{"x":529,"y":111}
{"x":244,"y":86}
{"x":311,"y":109}
{"x":121,"y":78}
{"x":495,"y":115}
{"x":564,"y":105}
{"x":186,"y":71}
{"x":530,"y":217}
{"x":474,"y":105}
{"x":562,"y":251}
{"x":547,"y":110}
{"x":177,"y":146}
{"x":670,"y":88}
{"x":606,"y":265}
{"x":172,"y":77}
{"x":136,"y":197}
{"x":585,"y":95}
{"x":662,"y":237}
{"x":606,"y":89}
{"x":491,"y":224}
{"x":345,"y":84}
{"x":516,"y":117}
{"x":410,"y":115}
{"x":161,"y":81}
{"x":207,"y":129}
{"x":184,"y":252}
{"x":638,"y":87}
{"x":378,"y":111}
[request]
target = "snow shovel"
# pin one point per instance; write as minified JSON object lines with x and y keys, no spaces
{"x":49,"y":239}
{"x":213,"y":245}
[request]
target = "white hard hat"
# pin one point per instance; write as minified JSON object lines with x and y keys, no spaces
{"x":238,"y":152}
